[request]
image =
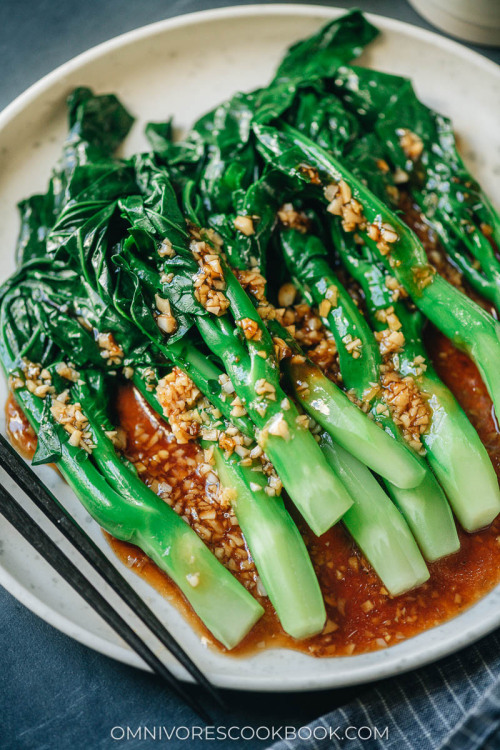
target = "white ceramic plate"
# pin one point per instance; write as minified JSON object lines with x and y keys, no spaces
{"x":183,"y":67}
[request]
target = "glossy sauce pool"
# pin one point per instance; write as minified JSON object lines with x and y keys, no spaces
{"x":361,"y":615}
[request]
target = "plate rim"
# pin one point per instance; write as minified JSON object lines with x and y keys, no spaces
{"x":187,"y":19}
{"x":366,"y":673}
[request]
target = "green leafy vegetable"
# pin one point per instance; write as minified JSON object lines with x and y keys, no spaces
{"x":167,"y":264}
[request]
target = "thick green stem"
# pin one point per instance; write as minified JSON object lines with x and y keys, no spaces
{"x":278,"y":550}
{"x":458,"y":458}
{"x":470,"y":328}
{"x":428,"y":515}
{"x":312,"y":485}
{"x":315,"y":488}
{"x":351,"y":428}
{"x":377,"y":526}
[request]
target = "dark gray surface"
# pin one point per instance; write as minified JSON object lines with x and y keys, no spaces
{"x":55,"y":693}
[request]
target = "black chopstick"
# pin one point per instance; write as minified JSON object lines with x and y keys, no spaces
{"x":41,"y":496}
{"x":39,"y":540}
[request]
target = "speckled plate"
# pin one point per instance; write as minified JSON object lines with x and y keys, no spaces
{"x":183,"y":67}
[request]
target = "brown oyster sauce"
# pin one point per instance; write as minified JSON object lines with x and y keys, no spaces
{"x":361,"y":615}
{"x":19,"y":431}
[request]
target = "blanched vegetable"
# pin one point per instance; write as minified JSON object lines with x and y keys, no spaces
{"x":470,"y":327}
{"x":454,"y":451}
{"x":377,"y":526}
{"x":195,"y":270}
{"x":423,"y":504}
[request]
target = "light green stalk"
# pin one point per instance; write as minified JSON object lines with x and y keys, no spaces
{"x":276,"y":546}
{"x":377,"y":526}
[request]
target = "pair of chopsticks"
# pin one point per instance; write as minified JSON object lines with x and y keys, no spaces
{"x":10,"y":508}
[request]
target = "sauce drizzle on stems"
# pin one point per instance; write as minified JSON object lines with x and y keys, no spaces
{"x":361,"y":615}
